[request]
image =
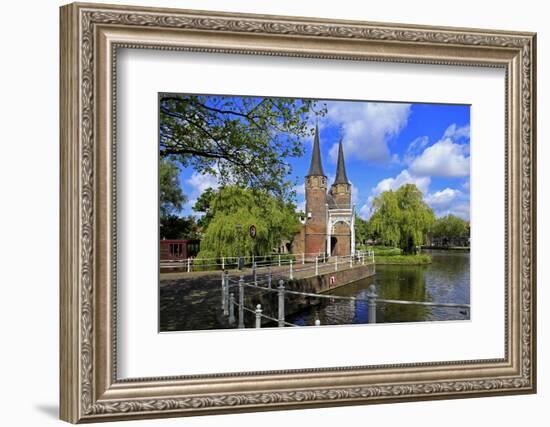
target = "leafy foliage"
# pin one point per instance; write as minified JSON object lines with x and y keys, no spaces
{"x":450,"y":227}
{"x":361,"y":230}
{"x":233,"y":207}
{"x":401,"y":218}
{"x":206,"y":260}
{"x":204,"y":205}
{"x":175,"y":227}
{"x":243,"y":141}
{"x":171,"y":195}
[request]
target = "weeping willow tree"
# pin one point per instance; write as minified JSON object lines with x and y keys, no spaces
{"x":401,"y":218}
{"x":234,"y":210}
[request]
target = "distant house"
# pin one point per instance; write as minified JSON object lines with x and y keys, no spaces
{"x":176,"y":250}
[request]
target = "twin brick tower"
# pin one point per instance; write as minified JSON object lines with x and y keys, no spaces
{"x":329,"y":226}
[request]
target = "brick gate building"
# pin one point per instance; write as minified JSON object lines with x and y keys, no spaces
{"x":330,"y":220}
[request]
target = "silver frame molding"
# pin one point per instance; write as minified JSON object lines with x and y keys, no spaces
{"x":90,"y":36}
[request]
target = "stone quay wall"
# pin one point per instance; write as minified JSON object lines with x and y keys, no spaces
{"x":332,"y":279}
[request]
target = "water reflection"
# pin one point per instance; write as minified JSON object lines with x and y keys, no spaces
{"x":446,"y":280}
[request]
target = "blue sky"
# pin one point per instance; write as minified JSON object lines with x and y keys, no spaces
{"x":385,"y":146}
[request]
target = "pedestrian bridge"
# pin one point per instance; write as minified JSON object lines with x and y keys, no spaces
{"x":297,"y":265}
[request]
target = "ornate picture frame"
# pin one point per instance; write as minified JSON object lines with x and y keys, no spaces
{"x":90,"y":37}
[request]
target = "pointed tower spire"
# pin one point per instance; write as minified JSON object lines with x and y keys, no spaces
{"x":316,"y":167}
{"x":341,"y":177}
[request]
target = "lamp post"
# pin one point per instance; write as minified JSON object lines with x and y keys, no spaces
{"x":239,"y":259}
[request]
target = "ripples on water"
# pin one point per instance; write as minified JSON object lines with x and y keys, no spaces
{"x":446,"y":280}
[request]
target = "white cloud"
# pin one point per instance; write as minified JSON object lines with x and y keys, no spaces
{"x":199,"y":182}
{"x":196,"y":184}
{"x":354,"y":194}
{"x":418,"y":145}
{"x":367,"y":128}
{"x":462,"y":210}
{"x":444,"y":158}
{"x":449,"y":201}
{"x":441,"y":200}
{"x":300,"y":190}
{"x":415,"y":148}
{"x":404,"y":177}
{"x":365,"y":210}
{"x":448,"y":157}
{"x":457,"y":133}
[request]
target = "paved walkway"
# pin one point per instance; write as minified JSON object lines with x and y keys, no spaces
{"x":299,"y":271}
{"x":192,"y":301}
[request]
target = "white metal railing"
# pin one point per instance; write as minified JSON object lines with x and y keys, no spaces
{"x":229,"y":303}
{"x":301,"y":256}
{"x":266,"y":261}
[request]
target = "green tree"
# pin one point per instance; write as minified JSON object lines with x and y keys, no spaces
{"x":171,"y":195}
{"x":361,"y":230}
{"x":204,"y":205}
{"x":176,"y":227}
{"x":274,"y":219}
{"x":172,"y":199}
{"x":244,"y":141}
{"x":449,"y":227}
{"x":401,"y":218}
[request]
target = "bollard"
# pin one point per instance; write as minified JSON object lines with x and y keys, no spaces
{"x":258,"y":316}
{"x":269,"y":277}
{"x":231,"y":308}
{"x":226,"y":293}
{"x":223,"y":263}
{"x":241,"y":302}
{"x":317,"y":322}
{"x":316,"y":265}
{"x":188,"y":265}
{"x":303,"y":258}
{"x":254,"y":274}
{"x":279,"y":260}
{"x":291,"y":277}
{"x":371,"y":303}
{"x":223,"y":291}
{"x":336,"y":263}
{"x":281,"y":295}
{"x":362,"y":258}
{"x":372,"y":252}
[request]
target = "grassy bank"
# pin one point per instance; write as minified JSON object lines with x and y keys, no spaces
{"x":402,"y":259}
{"x":391,"y":255}
{"x":383,"y":250}
{"x":448,"y":248}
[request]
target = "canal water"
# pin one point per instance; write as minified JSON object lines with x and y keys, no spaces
{"x":445,"y":280}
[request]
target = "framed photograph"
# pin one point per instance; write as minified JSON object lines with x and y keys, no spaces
{"x":267,"y":212}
